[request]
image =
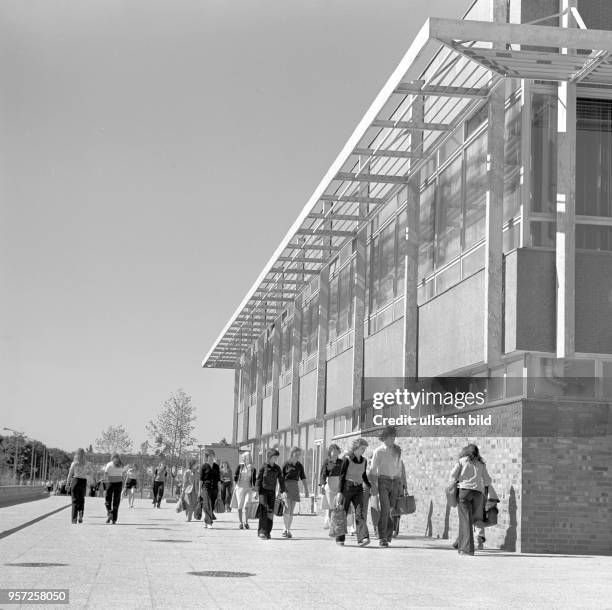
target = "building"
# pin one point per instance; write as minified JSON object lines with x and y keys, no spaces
{"x":464,"y":230}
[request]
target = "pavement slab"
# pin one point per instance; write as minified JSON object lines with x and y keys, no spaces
{"x":152,"y":558}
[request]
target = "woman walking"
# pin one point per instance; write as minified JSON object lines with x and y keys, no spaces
{"x":209,"y":481}
{"x":293,"y":472}
{"x":131,"y":483}
{"x":189,"y":494}
{"x":268,"y":477}
{"x":329,"y":479}
{"x":225,"y":472}
{"x":159,"y":480}
{"x":80,"y":471}
{"x":353,"y":478}
{"x":113,"y":473}
{"x":471,"y":476}
{"x":244,"y":481}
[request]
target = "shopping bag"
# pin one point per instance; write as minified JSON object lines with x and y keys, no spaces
{"x":197,"y":513}
{"x":405,"y":505}
{"x":490,"y":516}
{"x":250,"y":509}
{"x":337,"y":522}
{"x":234,"y":500}
{"x":324,"y":503}
{"x":452,"y":494}
{"x":375,"y":503}
{"x":219,"y":506}
{"x":179,"y":505}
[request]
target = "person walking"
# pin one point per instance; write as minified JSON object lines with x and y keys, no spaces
{"x":159,"y":480}
{"x":329,"y":478}
{"x":268,"y":477}
{"x":244,"y":484}
{"x":225,"y":474}
{"x":385,"y":476}
{"x":293,"y":472}
{"x":189,"y":494}
{"x":471,"y":476}
{"x":131,"y":483}
{"x":353,"y":483}
{"x":209,"y":481}
{"x":113,"y":473}
{"x":80,"y":471}
{"x":403,"y":490}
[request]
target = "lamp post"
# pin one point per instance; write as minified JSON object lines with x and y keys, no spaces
{"x":17,"y":436}
{"x":200,"y":456}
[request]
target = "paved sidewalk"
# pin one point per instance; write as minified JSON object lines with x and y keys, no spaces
{"x":152,"y":558}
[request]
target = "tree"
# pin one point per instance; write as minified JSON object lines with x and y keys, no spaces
{"x":114,"y":439}
{"x":171,"y":433}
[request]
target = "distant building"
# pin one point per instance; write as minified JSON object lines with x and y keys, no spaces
{"x":464,"y":230}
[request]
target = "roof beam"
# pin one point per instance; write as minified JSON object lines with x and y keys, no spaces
{"x":381,"y":152}
{"x":297,"y":271}
{"x":352,"y":199}
{"x":312,"y":247}
{"x":382,"y":178}
{"x":333,"y":216}
{"x":275,"y":299}
{"x":302,"y":231}
{"x":300,"y":259}
{"x":441,"y":91}
{"x":410,"y":125}
{"x":274,"y":282}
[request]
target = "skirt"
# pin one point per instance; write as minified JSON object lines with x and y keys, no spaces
{"x":242,"y":496}
{"x":293,"y":491}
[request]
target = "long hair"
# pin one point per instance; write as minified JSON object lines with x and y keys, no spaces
{"x":331,"y":448}
{"x":471,"y":453}
{"x":245,"y":455}
{"x":79,"y":456}
{"x":358,"y":442}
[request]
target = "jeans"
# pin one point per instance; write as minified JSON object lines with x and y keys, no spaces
{"x":470,"y":501}
{"x":353,"y":493}
{"x":158,"y":492}
{"x":266,"y":513}
{"x":226,"y":493}
{"x":388,"y":492}
{"x":113,"y":498}
{"x":209,"y":497}
{"x":78,"y":487}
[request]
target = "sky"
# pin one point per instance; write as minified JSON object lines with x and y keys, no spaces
{"x":152,"y":157}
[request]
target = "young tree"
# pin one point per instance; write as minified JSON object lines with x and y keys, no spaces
{"x":171,"y":433}
{"x":114,"y":439}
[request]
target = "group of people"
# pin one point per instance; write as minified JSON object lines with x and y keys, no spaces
{"x":349,"y":482}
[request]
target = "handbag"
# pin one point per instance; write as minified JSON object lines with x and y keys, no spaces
{"x":337,"y":522}
{"x":490,"y":515}
{"x":197,"y":513}
{"x":234,"y":500}
{"x":279,"y":507}
{"x":406,"y":505}
{"x":219,"y":506}
{"x":452,"y":491}
{"x":324,"y":503}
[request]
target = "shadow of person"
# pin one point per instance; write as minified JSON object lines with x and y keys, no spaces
{"x":429,"y":526}
{"x":447,"y":511}
{"x":510,"y":538}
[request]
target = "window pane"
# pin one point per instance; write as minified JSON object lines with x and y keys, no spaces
{"x":543,"y":152}
{"x":594,"y":157}
{"x":345,"y":294}
{"x":594,"y":237}
{"x":373,"y":270}
{"x":448,"y":214}
{"x":386,"y":266}
{"x":475,"y":191}
{"x":426,"y":231}
{"x":333,"y":309}
{"x":402,"y":250}
{"x":543,"y":234}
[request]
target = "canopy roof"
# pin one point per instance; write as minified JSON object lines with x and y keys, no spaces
{"x":454,"y":65}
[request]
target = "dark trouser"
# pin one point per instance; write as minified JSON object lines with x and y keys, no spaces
{"x":209,"y":497}
{"x":78,"y":488}
{"x":388,"y":492}
{"x":226,"y":493}
{"x":353,"y":493}
{"x":470,"y":501}
{"x":266,"y":516}
{"x":113,"y":497}
{"x":158,"y":492}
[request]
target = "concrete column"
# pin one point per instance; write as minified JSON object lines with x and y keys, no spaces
{"x":411,"y":263}
{"x":565,"y":258}
{"x":359,"y":302}
{"x":493,"y":293}
{"x":276,"y":365}
{"x":236,"y":403}
{"x":246,"y":370}
{"x":260,"y":385}
{"x":322,"y":335}
{"x":296,"y":354}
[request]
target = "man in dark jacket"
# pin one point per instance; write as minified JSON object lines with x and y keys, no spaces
{"x":269,"y":476}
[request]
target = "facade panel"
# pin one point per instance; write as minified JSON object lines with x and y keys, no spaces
{"x":339,"y":382}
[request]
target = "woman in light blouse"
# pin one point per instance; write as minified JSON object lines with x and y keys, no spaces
{"x":244,"y":480}
{"x":189,"y":493}
{"x":80,"y":471}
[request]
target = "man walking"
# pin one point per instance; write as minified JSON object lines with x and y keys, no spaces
{"x":159,"y":478}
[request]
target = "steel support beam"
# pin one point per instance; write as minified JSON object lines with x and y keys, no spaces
{"x":296,"y":352}
{"x":322,"y":342}
{"x":410,"y":125}
{"x":353,"y":199}
{"x":380,"y":178}
{"x":382,"y":152}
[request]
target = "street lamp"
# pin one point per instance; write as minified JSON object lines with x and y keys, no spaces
{"x":17,"y":436}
